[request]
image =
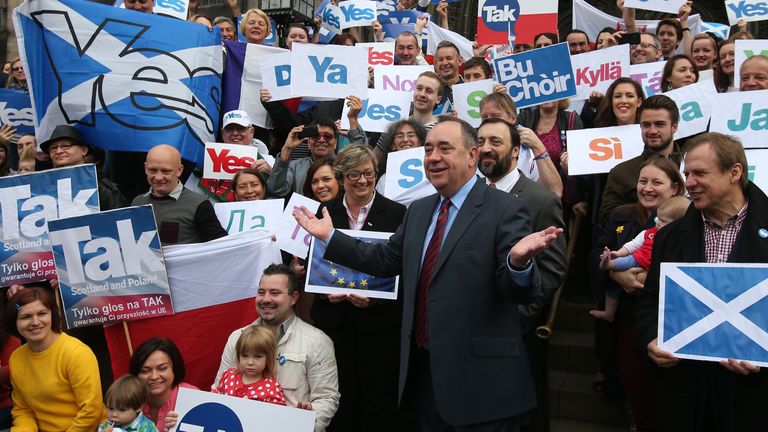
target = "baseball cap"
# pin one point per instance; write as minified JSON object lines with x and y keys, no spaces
{"x":236,"y":117}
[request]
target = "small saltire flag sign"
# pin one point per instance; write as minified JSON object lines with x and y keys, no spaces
{"x":714,"y":311}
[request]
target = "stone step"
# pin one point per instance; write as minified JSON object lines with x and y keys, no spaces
{"x":567,"y":425}
{"x":572,"y":398}
{"x":572,"y":351}
{"x":574,"y":316}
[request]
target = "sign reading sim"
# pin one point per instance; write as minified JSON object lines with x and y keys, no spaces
{"x":596,"y":151}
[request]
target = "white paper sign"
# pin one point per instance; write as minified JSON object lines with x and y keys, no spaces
{"x":173,"y":8}
{"x":276,"y":75}
{"x":252,"y":84}
{"x":405,"y":180}
{"x":757,"y":170}
{"x":467,"y":97}
{"x":291,"y":237}
{"x":222,"y":161}
{"x":649,"y":76}
{"x":743,"y":50}
{"x":743,"y":115}
{"x":695,"y":104}
{"x":332,"y":18}
{"x":597,"y":151}
{"x":668,"y":6}
{"x":596,"y":70}
{"x":357,"y":13}
{"x":397,"y":78}
{"x":204,"y":411}
{"x":379,"y":53}
{"x":326,"y":277}
{"x":380,"y":109}
{"x":747,"y":10}
{"x":322,"y":70}
{"x":241,"y":216}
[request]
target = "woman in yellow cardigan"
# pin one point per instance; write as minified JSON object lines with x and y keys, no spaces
{"x":55,"y":377}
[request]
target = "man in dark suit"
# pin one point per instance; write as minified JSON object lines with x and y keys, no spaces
{"x":499,"y":146}
{"x":465,"y":257}
{"x":725,"y":224}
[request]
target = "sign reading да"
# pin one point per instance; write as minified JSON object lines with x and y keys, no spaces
{"x":27,"y":202}
{"x":110,"y":267}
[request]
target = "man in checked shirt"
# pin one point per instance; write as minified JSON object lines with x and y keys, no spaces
{"x":726,"y":223}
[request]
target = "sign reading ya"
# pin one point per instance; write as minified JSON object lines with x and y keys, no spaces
{"x":320,"y":71}
{"x":596,"y":151}
{"x":467,"y":97}
{"x":747,"y":10}
{"x":16,"y":111}
{"x":537,"y":76}
{"x":110,"y":267}
{"x":380,"y":109}
{"x":27,"y":202}
{"x":743,"y":50}
{"x":743,"y":115}
{"x":380,"y":53}
{"x":223,"y":161}
{"x":596,"y":70}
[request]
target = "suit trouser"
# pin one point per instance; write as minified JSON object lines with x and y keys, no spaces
{"x":430,"y":418}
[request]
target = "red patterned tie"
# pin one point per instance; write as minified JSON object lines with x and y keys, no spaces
{"x":427,"y":268}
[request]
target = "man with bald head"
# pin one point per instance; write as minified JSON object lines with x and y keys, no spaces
{"x":182,"y":216}
{"x":753,"y":74}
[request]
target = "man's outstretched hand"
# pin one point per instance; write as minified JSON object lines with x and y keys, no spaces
{"x":319,"y":228}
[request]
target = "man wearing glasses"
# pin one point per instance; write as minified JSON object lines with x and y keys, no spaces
{"x":288,"y":175}
{"x":647,"y":51}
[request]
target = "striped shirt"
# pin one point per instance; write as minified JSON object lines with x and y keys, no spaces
{"x":719,"y":240}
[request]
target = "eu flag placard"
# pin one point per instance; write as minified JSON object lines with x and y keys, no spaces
{"x":127,"y":80}
{"x":714,"y":311}
{"x":327,"y":277}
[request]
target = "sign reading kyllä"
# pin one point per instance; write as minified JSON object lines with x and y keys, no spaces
{"x":537,"y":76}
{"x":110,"y":267}
{"x":27,"y":202}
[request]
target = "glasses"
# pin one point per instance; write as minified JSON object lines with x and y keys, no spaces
{"x":17,"y":68}
{"x":326,"y":137}
{"x":400,"y":135}
{"x":355,"y":175}
{"x":643,"y":45}
{"x":63,"y":146}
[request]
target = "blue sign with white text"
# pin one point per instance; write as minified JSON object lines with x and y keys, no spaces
{"x":537,"y":76}
{"x":16,"y":111}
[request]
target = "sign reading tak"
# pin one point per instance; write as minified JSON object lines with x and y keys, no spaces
{"x":110,"y":267}
{"x":537,"y":76}
{"x":27,"y":202}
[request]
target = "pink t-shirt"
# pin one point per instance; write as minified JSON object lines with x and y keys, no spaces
{"x":169,"y":405}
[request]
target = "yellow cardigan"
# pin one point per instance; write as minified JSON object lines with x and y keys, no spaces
{"x":57,"y":389}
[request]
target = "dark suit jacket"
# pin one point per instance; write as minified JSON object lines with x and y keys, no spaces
{"x":474,"y":325}
{"x":699,"y":395}
{"x":385,"y":216}
{"x":545,"y":210}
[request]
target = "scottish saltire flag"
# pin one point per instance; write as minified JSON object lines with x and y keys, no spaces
{"x":27,"y":202}
{"x":327,"y":277}
{"x":110,"y":267}
{"x":16,"y":111}
{"x":127,"y":80}
{"x":714,"y":311}
{"x":719,"y":30}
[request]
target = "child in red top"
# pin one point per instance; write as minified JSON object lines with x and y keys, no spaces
{"x":637,"y":252}
{"x":253,"y":378}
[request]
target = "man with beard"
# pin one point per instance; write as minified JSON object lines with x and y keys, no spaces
{"x":499,"y":146}
{"x":658,"y":121}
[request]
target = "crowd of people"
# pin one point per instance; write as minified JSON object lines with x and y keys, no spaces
{"x":480,"y":261}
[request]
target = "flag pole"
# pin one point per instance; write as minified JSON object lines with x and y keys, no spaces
{"x":128,"y":338}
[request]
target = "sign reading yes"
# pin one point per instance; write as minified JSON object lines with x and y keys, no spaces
{"x":537,"y":76}
{"x":747,"y":10}
{"x":319,"y":71}
{"x":380,"y":109}
{"x":743,"y":115}
{"x":467,"y":97}
{"x":16,"y":111}
{"x":380,"y":53}
{"x":596,"y":151}
{"x":348,"y":14}
{"x":173,"y":8}
{"x":223,"y":161}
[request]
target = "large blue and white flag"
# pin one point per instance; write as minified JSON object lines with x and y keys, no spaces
{"x":127,"y":80}
{"x":714,"y":311}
